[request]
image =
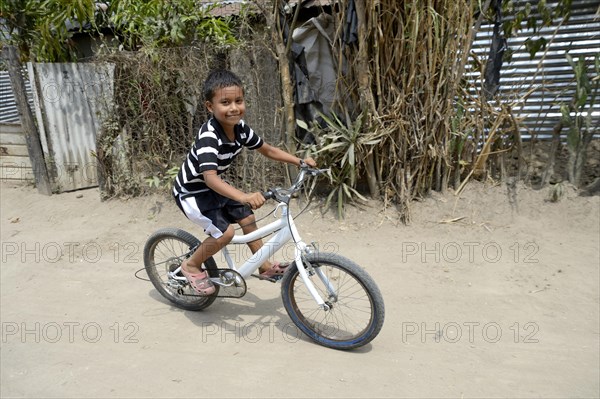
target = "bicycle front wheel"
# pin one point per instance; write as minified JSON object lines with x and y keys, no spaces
{"x":163,"y":253}
{"x":356,"y":310}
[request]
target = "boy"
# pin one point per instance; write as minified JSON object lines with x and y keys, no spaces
{"x":198,"y":189}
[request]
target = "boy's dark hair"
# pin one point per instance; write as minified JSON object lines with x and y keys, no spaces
{"x":219,"y":79}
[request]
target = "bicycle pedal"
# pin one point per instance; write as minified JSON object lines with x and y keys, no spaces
{"x":231,"y":284}
{"x":271,"y":279}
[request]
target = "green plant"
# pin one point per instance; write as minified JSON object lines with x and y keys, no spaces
{"x":40,"y":28}
{"x":43,"y":30}
{"x":529,"y":15}
{"x":163,"y":180}
{"x":157,"y":23}
{"x":577,"y":116}
{"x":343,"y":147}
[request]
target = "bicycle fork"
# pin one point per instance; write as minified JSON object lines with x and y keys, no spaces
{"x":301,"y":248}
{"x":303,"y":271}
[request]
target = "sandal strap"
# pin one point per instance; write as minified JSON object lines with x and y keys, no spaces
{"x":200,"y":282}
{"x":276,"y":269}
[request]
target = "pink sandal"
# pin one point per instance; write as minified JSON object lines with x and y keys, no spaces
{"x":200,"y":282}
{"x":276,"y":271}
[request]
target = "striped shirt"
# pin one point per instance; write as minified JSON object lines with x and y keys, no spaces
{"x":212,"y":150}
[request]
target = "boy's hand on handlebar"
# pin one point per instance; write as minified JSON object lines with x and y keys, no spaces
{"x":254,"y":200}
{"x":310,"y":162}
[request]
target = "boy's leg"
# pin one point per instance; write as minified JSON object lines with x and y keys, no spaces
{"x":208,"y":248}
{"x":213,"y":223}
{"x":248,"y":225}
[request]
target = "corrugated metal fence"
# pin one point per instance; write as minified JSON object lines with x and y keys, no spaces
{"x":69,"y":101}
{"x":14,"y":157}
{"x":8,"y":109}
{"x":537,"y":87}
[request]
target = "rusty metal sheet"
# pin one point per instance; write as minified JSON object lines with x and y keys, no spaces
{"x":73,"y":100}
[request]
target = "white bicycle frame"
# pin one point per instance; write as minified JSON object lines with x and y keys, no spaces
{"x":285,"y":230}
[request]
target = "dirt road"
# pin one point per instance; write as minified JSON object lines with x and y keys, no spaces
{"x":483,"y":299}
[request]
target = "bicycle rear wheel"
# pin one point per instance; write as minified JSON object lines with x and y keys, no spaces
{"x":356,"y":311}
{"x":163,"y":253}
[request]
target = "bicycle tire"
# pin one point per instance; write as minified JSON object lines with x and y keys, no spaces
{"x":163,"y":252}
{"x":330,"y":328}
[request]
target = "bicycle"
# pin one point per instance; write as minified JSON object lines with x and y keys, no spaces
{"x":328,"y":297}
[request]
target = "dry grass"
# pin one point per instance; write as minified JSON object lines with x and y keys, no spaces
{"x":407,"y":73}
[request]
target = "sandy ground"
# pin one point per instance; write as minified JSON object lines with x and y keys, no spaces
{"x":483,"y":299}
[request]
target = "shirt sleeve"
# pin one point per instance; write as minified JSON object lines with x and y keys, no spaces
{"x":206,"y":151}
{"x":253,"y":140}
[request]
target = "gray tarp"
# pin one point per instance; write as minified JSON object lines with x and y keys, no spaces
{"x":315,"y":37}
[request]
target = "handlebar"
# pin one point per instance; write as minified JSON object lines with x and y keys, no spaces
{"x":269,"y":194}
{"x":282,"y":194}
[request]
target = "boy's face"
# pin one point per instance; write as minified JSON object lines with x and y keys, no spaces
{"x":227,"y":106}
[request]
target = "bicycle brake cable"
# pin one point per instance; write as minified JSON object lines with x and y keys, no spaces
{"x":140,"y":278}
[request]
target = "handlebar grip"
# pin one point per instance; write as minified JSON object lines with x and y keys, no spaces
{"x":268,"y":194}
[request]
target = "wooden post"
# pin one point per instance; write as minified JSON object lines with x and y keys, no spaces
{"x":34,"y":145}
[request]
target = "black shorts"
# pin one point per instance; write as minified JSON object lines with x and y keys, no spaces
{"x":213,"y":212}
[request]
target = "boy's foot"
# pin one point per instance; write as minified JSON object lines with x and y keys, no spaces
{"x":276,"y":271}
{"x":200,"y":282}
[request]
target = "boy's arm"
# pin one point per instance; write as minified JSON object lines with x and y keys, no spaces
{"x":277,"y":154}
{"x":215,"y":183}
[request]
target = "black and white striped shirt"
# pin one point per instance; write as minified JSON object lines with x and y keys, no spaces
{"x":212,"y":150}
